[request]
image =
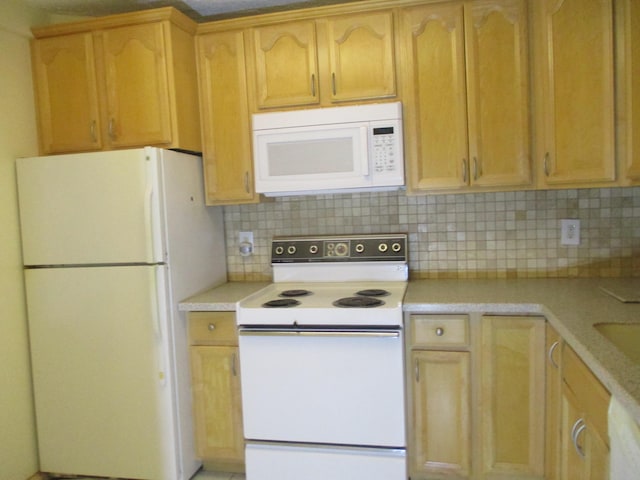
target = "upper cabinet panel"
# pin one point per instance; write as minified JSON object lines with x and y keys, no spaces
{"x":576,"y":63}
{"x":466,"y":95}
{"x":135,"y":62}
{"x":286,"y":65}
{"x":117,"y":82}
{"x":66,"y":95}
{"x":629,"y":22}
{"x":323,"y":61}
{"x":361,"y":56}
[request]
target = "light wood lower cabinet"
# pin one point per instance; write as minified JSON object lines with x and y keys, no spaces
{"x":584,"y":448}
{"x":476,"y":396}
{"x":553,"y":405}
{"x":215,"y":381}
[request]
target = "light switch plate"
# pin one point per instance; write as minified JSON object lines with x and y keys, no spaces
{"x":570,"y":232}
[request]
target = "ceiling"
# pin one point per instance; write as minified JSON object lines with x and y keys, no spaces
{"x":199,"y":10}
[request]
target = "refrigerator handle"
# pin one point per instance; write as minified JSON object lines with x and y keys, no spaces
{"x":152,"y":213}
{"x":158,"y":316}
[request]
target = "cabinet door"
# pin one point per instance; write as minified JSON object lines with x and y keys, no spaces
{"x":67,"y":99}
{"x":577,"y":81}
{"x":631,"y":87}
{"x":137,"y":93}
{"x":286,"y":64}
{"x":553,"y":403}
{"x":217,"y":403}
{"x":361,"y":56}
{"x":435,"y":115}
{"x":573,"y":464}
{"x":228,"y":164}
{"x":440,"y":436}
{"x":512,"y":396}
{"x":498,"y":92}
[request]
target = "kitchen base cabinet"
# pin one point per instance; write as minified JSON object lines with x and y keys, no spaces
{"x":584,"y":448}
{"x":553,"y":405}
{"x":476,"y":396}
{"x":215,"y":385}
{"x":512,"y":396}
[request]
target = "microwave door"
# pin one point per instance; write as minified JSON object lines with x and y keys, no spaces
{"x":312,"y":159}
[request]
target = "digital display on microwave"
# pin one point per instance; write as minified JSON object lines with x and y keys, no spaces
{"x":383,"y":131}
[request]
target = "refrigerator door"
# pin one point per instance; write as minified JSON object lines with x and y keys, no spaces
{"x":99,"y":356}
{"x":98,"y":208}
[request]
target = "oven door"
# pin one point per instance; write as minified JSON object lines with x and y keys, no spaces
{"x":328,"y":386}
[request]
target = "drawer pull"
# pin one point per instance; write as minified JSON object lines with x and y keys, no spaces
{"x":551,"y":350}
{"x":439,"y":331}
{"x":211,"y":327}
{"x":577,"y":429}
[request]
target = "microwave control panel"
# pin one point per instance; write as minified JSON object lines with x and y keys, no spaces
{"x":385,"y":150}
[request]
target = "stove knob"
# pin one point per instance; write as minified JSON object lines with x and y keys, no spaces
{"x":396,"y":247}
{"x":291,"y":249}
{"x":383,"y":247}
{"x":313,"y":249}
{"x":359,"y":248}
{"x":341,"y":249}
{"x":279,"y":250}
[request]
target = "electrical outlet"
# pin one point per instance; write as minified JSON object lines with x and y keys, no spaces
{"x":570,"y":232}
{"x":245,"y":243}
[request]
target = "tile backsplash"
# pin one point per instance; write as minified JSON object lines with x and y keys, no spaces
{"x":475,"y":235}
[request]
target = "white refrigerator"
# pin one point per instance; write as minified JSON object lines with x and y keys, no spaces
{"x":112,"y":241}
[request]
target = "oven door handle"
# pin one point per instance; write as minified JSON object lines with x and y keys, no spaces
{"x":318,"y":333}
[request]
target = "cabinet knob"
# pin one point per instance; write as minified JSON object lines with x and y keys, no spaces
{"x":439,"y":331}
{"x":211,"y":327}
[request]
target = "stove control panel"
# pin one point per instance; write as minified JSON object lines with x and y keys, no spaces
{"x":366,"y":248}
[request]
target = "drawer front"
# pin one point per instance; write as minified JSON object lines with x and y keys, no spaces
{"x":439,"y":331}
{"x":593,"y":396}
{"x":213,"y":328}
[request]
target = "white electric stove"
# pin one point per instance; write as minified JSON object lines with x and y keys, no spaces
{"x":322,"y":359}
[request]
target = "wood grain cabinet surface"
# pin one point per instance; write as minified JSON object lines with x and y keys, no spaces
{"x":117,"y":82}
{"x":215,"y":382}
{"x":476,"y":396}
{"x":324,"y":61}
{"x":227,"y":157}
{"x":575,"y":53}
{"x":584,"y":445}
{"x":465,"y":82}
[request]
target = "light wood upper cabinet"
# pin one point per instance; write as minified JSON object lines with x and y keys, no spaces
{"x":286,"y":64}
{"x":465,"y":83}
{"x":361,"y":56}
{"x":324,"y":61}
{"x":629,"y":18}
{"x":137,"y":92}
{"x":228,"y":164}
{"x":66,"y":94}
{"x":576,"y":126}
{"x":512,"y":396}
{"x":215,"y":381}
{"x":117,"y":82}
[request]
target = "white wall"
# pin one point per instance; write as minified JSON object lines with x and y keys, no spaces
{"x":18,"y":448}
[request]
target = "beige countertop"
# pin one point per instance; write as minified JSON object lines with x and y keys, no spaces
{"x":572,"y":306}
{"x":222,"y":298}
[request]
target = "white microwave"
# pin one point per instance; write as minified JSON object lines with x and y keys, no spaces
{"x":329,"y":150}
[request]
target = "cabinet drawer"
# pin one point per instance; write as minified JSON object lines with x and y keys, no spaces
{"x":213,"y":328}
{"x":439,"y":330}
{"x":592,"y":395}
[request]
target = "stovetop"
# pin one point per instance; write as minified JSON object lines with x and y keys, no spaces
{"x":332,"y":280}
{"x":369,"y":306}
